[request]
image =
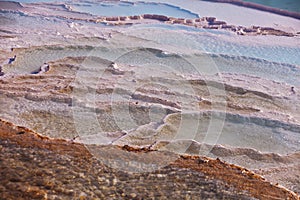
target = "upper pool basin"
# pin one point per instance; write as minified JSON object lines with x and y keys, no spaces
{"x":129,"y":9}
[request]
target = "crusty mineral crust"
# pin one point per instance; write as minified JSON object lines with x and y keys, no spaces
{"x":36,"y":167}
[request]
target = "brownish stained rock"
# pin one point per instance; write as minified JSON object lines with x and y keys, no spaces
{"x":30,"y":139}
{"x":249,"y":30}
{"x":238,"y":178}
{"x":112,"y":18}
{"x":123,"y":18}
{"x":209,"y":19}
{"x":189,"y":21}
{"x":217,"y":23}
{"x":135,"y":17}
{"x":225,"y":26}
{"x":204,"y":22}
{"x":156,"y":17}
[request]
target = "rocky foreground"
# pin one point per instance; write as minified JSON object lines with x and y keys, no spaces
{"x":36,"y":167}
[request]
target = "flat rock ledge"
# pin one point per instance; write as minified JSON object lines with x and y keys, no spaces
{"x":204,"y":22}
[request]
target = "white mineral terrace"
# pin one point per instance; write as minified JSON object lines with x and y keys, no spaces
{"x":191,"y":77}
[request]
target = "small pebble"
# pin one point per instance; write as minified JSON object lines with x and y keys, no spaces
{"x":133,"y":195}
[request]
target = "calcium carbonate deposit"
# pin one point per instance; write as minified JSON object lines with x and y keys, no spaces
{"x":188,"y":77}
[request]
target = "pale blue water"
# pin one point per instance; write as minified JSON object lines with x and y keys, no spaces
{"x":176,"y":27}
{"x":279,"y":63}
{"x":129,"y":9}
{"x":290,"y":5}
{"x":211,"y":44}
{"x":266,"y":61}
{"x":231,"y":57}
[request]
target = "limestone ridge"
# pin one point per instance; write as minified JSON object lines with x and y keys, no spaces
{"x":64,"y":11}
{"x":204,"y":22}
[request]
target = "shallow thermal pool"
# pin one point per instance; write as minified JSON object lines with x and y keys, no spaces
{"x":129,"y":9}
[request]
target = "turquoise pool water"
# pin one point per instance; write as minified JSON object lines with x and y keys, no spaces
{"x":290,"y":5}
{"x":129,"y":9}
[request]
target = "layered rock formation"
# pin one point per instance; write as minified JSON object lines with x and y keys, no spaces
{"x":30,"y":163}
{"x":204,"y":22}
{"x":148,"y":100}
{"x":55,"y":104}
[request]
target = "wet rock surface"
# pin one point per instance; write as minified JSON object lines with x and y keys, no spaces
{"x":35,"y":167}
{"x":49,"y":100}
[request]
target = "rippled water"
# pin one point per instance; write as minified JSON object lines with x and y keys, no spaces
{"x":256,"y":60}
{"x":158,"y":61}
{"x":177,"y":27}
{"x":211,"y":43}
{"x":129,"y":9}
